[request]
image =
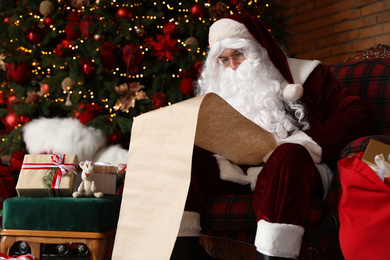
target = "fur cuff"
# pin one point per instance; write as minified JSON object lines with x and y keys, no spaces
{"x":281,"y":240}
{"x":190,"y":224}
{"x":230,"y":171}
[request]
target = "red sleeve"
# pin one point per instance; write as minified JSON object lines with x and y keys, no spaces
{"x":336,"y":115}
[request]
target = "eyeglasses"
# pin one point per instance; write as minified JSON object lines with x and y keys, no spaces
{"x":237,"y":56}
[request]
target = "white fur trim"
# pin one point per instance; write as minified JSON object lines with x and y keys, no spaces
{"x":227,"y":28}
{"x":301,"y":69}
{"x":281,"y":240}
{"x":252,"y":173}
{"x":230,"y":171}
{"x":190,"y":224}
{"x":302,"y":138}
{"x":62,"y":135}
{"x":292,"y":92}
{"x":113,"y":154}
{"x":326,"y":177}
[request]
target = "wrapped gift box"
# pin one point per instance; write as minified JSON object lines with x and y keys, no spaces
{"x":45,"y":175}
{"x":104,"y":178}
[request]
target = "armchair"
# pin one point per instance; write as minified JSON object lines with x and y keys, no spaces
{"x":229,"y":223}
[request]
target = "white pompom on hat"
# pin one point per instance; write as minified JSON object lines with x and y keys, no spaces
{"x":244,"y":26}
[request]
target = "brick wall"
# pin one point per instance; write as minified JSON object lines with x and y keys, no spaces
{"x":334,"y":30}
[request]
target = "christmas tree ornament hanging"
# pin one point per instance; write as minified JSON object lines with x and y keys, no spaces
{"x":123,"y":13}
{"x":84,"y":25}
{"x":79,"y":4}
{"x":132,"y":56}
{"x":116,"y":137}
{"x":3,"y":65}
{"x":33,"y":35}
{"x":67,"y":85}
{"x":190,"y":42}
{"x":219,"y":10}
{"x":46,"y":8}
{"x":197,"y":10}
{"x":11,"y":120}
{"x":33,"y":97}
{"x":187,"y":86}
{"x":72,"y":30}
{"x":49,"y":21}
{"x":87,"y":67}
{"x":19,"y":72}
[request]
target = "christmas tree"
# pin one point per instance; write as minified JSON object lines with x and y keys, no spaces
{"x":105,"y":61}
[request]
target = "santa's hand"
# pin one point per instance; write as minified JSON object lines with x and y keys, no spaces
{"x":230,"y":171}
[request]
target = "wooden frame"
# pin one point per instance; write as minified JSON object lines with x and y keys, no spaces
{"x":377,"y":51}
{"x":97,"y":243}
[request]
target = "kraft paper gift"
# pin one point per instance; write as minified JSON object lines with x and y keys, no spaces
{"x":159,"y":168}
{"x":105,"y":177}
{"x":58,"y":171}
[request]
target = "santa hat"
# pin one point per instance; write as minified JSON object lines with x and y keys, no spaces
{"x":244,"y":26}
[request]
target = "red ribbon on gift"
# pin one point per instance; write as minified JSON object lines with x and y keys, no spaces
{"x":57,"y":161}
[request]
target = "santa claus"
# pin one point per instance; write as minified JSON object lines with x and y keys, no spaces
{"x":311,"y":116}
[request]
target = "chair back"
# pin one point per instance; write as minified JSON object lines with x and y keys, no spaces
{"x":368,"y":75}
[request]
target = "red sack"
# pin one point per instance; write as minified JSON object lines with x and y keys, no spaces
{"x":364,"y":210}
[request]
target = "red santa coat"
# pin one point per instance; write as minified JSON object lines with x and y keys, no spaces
{"x":336,"y":117}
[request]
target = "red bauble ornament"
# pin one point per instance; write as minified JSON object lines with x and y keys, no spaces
{"x":84,"y":26}
{"x":45,"y":88}
{"x":123,"y":13}
{"x":49,"y":21}
{"x":169,"y":28}
{"x":72,"y":31}
{"x":116,"y":137}
{"x":34,"y":36}
{"x":19,"y":72}
{"x":159,"y":99}
{"x":87,"y":67}
{"x":108,"y":59}
{"x":10,"y":121}
{"x":187,"y":86}
{"x":11,"y":100}
{"x":197,"y":10}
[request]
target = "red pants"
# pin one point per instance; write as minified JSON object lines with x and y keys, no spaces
{"x":285,"y":185}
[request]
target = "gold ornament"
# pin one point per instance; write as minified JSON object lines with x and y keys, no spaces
{"x":67,"y":85}
{"x":46,"y":8}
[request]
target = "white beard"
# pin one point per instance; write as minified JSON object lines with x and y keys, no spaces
{"x":255,"y":92}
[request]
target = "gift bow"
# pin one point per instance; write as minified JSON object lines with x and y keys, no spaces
{"x":384,"y":167}
{"x":58,"y":160}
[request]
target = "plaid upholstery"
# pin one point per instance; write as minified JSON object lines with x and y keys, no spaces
{"x":233,"y":217}
{"x":369,"y":79}
{"x":360,"y":144}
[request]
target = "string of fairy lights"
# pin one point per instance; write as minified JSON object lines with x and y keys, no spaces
{"x":38,"y":70}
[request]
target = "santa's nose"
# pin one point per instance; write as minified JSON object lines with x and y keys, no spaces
{"x":233,"y":64}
